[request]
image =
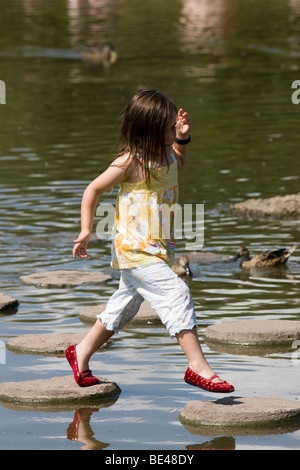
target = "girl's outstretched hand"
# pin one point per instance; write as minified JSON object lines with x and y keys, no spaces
{"x":81,"y":243}
{"x":183,"y":124}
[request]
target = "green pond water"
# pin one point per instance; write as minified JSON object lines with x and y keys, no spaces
{"x":231,"y":65}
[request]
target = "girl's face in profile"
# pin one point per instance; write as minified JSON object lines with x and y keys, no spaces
{"x":170,"y":133}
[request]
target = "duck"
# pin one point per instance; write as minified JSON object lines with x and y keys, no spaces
{"x":267,"y":259}
{"x":106,"y":54}
{"x":182,"y":266}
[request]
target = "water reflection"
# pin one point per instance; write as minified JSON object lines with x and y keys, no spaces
{"x":90,"y":21}
{"x":203,"y":24}
{"x":218,"y":443}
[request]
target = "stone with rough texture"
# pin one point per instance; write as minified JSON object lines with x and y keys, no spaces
{"x":48,"y":344}
{"x":145,"y":315}
{"x":240,"y":412}
{"x":64,"y":278}
{"x":57,"y":390}
{"x":254,"y":332}
{"x":285,"y":207}
{"x":7,"y":303}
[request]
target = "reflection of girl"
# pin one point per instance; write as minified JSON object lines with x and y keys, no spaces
{"x":80,"y":430}
{"x":154,"y":138}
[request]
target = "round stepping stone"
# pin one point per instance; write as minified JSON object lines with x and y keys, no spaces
{"x":56,"y":391}
{"x":254,"y":332}
{"x":145,"y":315}
{"x":48,"y":344}
{"x":64,"y":278}
{"x":240,"y":412}
{"x":7,"y":304}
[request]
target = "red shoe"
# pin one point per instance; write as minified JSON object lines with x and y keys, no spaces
{"x":207,"y":384}
{"x":85,"y":378}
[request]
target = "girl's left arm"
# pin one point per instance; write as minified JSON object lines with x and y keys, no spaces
{"x":183,"y":126}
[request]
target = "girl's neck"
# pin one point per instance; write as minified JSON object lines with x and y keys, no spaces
{"x":162,"y":162}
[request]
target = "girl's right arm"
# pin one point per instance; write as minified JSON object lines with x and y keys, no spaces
{"x":113,"y":175}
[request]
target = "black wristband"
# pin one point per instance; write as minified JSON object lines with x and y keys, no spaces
{"x":183,"y":142}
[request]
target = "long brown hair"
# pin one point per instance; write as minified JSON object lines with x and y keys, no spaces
{"x":143,"y":128}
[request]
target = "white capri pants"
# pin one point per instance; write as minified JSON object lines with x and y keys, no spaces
{"x":157,"y":283}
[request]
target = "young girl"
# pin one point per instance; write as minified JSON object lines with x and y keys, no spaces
{"x":154,"y":145}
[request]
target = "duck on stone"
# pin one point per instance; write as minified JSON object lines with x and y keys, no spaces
{"x":266,"y":259}
{"x":106,"y":54}
{"x":182,"y":266}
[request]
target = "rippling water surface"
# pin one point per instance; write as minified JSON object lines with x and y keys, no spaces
{"x":230,"y":65}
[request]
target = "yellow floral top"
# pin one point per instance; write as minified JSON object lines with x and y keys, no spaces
{"x":144,"y":222}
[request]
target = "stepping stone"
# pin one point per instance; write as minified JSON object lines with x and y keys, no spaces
{"x":245,"y":412}
{"x":146,"y":314}
{"x":56,"y":391}
{"x":254,"y":332}
{"x":283,"y":207}
{"x":65,"y":278}
{"x":48,"y":344}
{"x":7,"y":304}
